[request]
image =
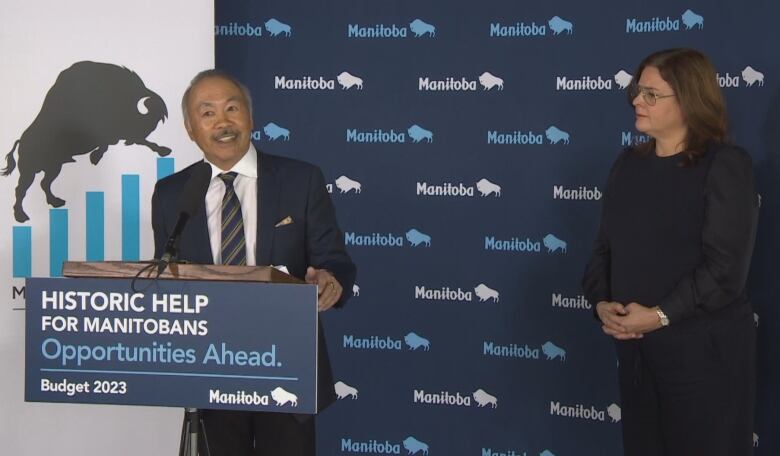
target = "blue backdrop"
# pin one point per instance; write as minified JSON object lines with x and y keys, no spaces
{"x":466,"y":145}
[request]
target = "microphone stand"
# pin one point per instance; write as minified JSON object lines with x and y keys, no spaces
{"x":192,"y":425}
{"x":192,"y":428}
{"x":170,"y":251}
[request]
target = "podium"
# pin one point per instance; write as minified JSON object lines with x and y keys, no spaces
{"x":197,"y":336}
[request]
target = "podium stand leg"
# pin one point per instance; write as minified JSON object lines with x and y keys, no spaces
{"x":193,"y":431}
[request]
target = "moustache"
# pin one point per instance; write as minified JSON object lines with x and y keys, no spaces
{"x":226,"y":132}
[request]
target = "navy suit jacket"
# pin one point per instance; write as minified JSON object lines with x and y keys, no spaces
{"x":286,"y":187}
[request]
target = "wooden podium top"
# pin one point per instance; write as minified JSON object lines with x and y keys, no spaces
{"x":121,"y":269}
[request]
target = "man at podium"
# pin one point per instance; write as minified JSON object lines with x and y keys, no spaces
{"x":259,"y":209}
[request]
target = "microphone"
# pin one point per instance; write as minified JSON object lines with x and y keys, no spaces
{"x":190,"y":200}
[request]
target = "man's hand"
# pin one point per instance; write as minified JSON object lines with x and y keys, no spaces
{"x":640,"y":319}
{"x":627,"y":322}
{"x":611,"y":315}
{"x":329,"y":289}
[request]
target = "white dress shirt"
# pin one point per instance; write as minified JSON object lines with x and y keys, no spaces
{"x":246,"y":190}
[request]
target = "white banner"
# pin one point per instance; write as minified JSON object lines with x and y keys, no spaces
{"x":85,"y":86}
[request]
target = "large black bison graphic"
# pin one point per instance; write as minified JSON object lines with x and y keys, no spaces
{"x":90,"y":106}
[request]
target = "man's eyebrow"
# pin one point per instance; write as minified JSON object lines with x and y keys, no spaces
{"x":210,"y":104}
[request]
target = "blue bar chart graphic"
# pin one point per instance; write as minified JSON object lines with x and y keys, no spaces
{"x":58,"y":240}
{"x":95,"y":227}
{"x":22,"y":251}
{"x":164,"y":167}
{"x":131,"y":221}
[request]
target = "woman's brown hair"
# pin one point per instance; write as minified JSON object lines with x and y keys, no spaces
{"x":692,"y":77}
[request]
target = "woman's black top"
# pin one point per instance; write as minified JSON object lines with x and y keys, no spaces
{"x":676,"y":237}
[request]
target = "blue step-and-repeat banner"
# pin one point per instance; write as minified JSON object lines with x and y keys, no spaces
{"x":466,"y":145}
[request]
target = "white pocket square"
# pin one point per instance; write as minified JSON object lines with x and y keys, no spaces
{"x":285,"y":221}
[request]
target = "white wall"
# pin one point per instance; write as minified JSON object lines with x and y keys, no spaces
{"x":165,"y":43}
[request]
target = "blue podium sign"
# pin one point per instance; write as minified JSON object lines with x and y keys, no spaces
{"x":200,"y":344}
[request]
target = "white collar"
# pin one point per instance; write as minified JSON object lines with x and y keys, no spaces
{"x":247,"y":166}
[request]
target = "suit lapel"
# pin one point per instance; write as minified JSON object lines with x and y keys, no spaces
{"x":199,"y":221}
{"x":200,"y":234}
{"x":268,"y":211}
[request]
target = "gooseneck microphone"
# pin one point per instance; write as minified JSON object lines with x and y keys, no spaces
{"x":190,"y":200}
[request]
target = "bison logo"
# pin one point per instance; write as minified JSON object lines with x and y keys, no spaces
{"x":345,"y":185}
{"x":414,"y":446}
{"x":489,"y":81}
{"x":418,"y":133}
{"x":556,"y":135}
{"x":553,"y":351}
{"x":414,"y":342}
{"x":482,"y":398}
{"x":90,"y":106}
{"x":486,"y":187}
{"x":347,"y":81}
{"x":614,"y":412}
{"x":691,"y":20}
{"x":558,"y":25}
{"x":623,"y":78}
{"x":282,"y":397}
{"x":420,"y":28}
{"x":276,"y":27}
{"x":416,"y":238}
{"x":343,"y":390}
{"x":554,"y":244}
{"x":751,"y":76}
{"x":275,"y":132}
{"x":484,"y":293}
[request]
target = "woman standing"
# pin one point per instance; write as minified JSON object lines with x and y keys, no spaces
{"x":669,"y":267}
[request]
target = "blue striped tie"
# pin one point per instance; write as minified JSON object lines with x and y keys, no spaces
{"x":233,"y":242}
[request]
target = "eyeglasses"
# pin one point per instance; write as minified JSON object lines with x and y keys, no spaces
{"x":650,"y":96}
